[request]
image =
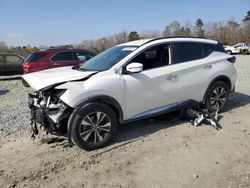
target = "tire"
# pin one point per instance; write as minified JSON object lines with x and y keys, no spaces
{"x":229,"y":52}
{"x":244,"y":52}
{"x":217,"y":94}
{"x":93,"y":126}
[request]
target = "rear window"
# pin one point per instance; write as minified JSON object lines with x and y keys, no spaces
{"x":34,"y":57}
{"x":214,"y":48}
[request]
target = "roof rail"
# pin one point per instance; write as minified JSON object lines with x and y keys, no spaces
{"x":176,"y":37}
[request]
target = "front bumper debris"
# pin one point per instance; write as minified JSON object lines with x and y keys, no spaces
{"x":48,"y":115}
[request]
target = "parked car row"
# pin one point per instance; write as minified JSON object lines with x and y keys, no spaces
{"x":43,"y":59}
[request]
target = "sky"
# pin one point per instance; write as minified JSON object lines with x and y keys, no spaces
{"x":56,"y":22}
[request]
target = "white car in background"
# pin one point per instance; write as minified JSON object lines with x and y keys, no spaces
{"x":239,"y":48}
{"x":130,"y":81}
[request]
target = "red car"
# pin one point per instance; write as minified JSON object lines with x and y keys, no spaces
{"x":55,"y":57}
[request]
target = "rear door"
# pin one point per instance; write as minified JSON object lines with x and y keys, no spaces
{"x":192,"y":70}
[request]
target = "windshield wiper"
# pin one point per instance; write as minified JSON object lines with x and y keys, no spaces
{"x":85,"y":78}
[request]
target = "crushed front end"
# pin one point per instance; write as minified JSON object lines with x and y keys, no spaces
{"x":48,"y":111}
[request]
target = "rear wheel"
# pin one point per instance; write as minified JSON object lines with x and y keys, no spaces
{"x":244,"y":52}
{"x":217,"y":96}
{"x":94,"y":126}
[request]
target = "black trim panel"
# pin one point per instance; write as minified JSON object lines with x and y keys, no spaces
{"x":178,"y":106}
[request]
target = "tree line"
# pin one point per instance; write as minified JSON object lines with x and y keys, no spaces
{"x":229,"y":32}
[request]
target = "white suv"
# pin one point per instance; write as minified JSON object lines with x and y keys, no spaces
{"x":130,"y":81}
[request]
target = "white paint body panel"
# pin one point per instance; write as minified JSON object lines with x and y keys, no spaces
{"x":43,"y":79}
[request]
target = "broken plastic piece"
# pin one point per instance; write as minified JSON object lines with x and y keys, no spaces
{"x":204,"y":116}
{"x":198,"y":121}
{"x":34,"y":129}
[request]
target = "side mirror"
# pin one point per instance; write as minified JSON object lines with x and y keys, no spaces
{"x":134,"y":67}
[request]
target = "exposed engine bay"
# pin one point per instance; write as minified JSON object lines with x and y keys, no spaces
{"x":48,"y":111}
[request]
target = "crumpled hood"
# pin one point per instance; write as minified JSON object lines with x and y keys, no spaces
{"x":43,"y":79}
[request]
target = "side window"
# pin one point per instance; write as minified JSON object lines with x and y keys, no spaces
{"x":153,"y":57}
{"x":238,"y":45}
{"x":1,"y":59}
{"x":187,"y":51}
{"x":81,"y":56}
{"x":13,"y":59}
{"x":63,"y":56}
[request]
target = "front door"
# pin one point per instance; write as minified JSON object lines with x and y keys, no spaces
{"x":155,"y":88}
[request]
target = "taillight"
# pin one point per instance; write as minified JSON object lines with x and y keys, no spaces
{"x":232,"y":59}
{"x":26,"y":68}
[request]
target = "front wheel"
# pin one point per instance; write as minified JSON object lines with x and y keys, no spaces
{"x":229,"y":52}
{"x":217,"y":96}
{"x":94,"y":125}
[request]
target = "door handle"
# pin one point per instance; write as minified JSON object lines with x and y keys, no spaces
{"x":56,"y":64}
{"x":208,"y":67}
{"x":172,"y":77}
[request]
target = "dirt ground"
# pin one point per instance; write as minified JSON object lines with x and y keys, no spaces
{"x":148,"y":154}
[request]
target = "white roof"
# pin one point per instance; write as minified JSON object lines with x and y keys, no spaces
{"x":171,"y":39}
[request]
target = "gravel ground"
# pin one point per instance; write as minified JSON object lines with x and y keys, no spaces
{"x":144,"y":154}
{"x":14,"y":112}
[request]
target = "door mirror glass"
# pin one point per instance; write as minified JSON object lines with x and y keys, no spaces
{"x":134,"y":67}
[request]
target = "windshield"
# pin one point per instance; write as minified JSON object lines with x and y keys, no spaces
{"x":107,"y":59}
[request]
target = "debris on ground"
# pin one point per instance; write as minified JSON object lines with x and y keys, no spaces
{"x":204,"y":116}
{"x":196,"y":175}
{"x":53,"y":140}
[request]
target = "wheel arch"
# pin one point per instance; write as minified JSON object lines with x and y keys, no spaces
{"x":222,"y":78}
{"x":108,"y":100}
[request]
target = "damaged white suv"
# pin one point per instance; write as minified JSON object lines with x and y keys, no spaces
{"x":130,"y":81}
